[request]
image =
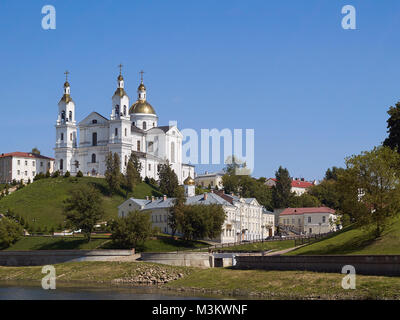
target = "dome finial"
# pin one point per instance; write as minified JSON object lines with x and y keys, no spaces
{"x":141,"y":76}
{"x":120,"y":69}
{"x":66,"y":84}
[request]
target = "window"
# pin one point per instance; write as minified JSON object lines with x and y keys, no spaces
{"x":126,"y":160}
{"x":138,"y":145}
{"x":172,"y":152}
{"x":323,"y":219}
{"x":63,"y":115}
{"x":149,"y":167}
{"x":61,"y":164}
{"x":116,"y":132}
{"x":26,"y":173}
{"x":126,"y":132}
{"x":310,"y":230}
{"x":117,"y":110}
{"x":18,"y":172}
{"x":62,"y":136}
{"x":70,"y":116}
{"x":70,"y":137}
{"x":144,"y":125}
{"x":33,"y":163}
{"x":19,"y":162}
{"x":309,"y":219}
{"x":94,"y":121}
{"x":41,"y":164}
{"x":94,"y":139}
{"x":33,"y":173}
{"x":150,"y":147}
{"x":93,"y":158}
{"x":124,"y":110}
{"x":26,"y":162}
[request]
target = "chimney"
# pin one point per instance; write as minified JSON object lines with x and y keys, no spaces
{"x":212,"y":190}
{"x":164,"y":197}
{"x":147,"y":197}
{"x":205,"y":196}
{"x":152,"y":199}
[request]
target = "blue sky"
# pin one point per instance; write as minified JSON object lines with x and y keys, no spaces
{"x":313,"y":92}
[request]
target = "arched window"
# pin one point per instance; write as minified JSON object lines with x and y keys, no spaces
{"x":62,"y":136}
{"x":173,"y":152}
{"x":93,"y":158}
{"x":63,"y":115}
{"x":126,"y":160}
{"x":94,"y":139}
{"x":61,"y":164}
{"x":124,"y":110}
{"x":70,"y":136}
{"x":70,"y":116}
{"x":154,"y":124}
{"x":126,"y":132}
{"x":116,"y":132}
{"x":144,"y":125}
{"x":138,"y":145}
{"x":117,"y":110}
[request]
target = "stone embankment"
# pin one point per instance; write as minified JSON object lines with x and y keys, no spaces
{"x":151,"y":275}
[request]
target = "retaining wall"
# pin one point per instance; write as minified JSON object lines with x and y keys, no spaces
{"x":45,"y":257}
{"x":185,"y":259}
{"x":388,"y":265}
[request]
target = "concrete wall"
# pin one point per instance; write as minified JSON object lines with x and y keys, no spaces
{"x":185,"y":259}
{"x":388,"y":265}
{"x":38,"y":258}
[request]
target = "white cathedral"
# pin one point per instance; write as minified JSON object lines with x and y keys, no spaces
{"x":129,"y":129}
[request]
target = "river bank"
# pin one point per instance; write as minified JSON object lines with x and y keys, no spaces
{"x":220,"y":282}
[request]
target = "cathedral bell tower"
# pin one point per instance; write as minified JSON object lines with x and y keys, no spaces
{"x":66,"y":130}
{"x":120,"y":100}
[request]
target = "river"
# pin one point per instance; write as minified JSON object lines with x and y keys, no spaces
{"x":34,"y":291}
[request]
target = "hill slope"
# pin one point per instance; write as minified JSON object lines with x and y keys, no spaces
{"x":41,"y":202}
{"x":356,"y":241}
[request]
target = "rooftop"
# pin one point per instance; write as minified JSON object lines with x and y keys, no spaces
{"x":300,"y":211}
{"x":24,"y":155}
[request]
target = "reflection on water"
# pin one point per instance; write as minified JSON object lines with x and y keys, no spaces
{"x":34,"y":291}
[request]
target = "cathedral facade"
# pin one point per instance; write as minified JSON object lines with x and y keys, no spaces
{"x":134,"y":128}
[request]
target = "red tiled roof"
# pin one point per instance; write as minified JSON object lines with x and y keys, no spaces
{"x":297,"y":183}
{"x":298,"y":211}
{"x":24,"y":155}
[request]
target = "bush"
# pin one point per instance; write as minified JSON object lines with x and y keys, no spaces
{"x":39,"y":176}
{"x":67,"y":174}
{"x":48,"y":174}
{"x":55,"y":174}
{"x":133,"y":230}
{"x":79,"y":174}
{"x":10,"y":232}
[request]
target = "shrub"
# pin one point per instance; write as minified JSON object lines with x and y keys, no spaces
{"x":55,"y":174}
{"x":79,"y":174}
{"x":67,"y":174}
{"x":10,"y":232}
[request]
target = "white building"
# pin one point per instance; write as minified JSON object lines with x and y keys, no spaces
{"x":298,"y":185}
{"x":84,"y":146}
{"x":23,"y":166}
{"x":309,"y":220}
{"x":245,"y":218}
{"x":210,"y":179}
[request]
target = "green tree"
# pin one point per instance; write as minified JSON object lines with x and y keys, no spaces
{"x":281,"y":192}
{"x":168,"y":180}
{"x":83,"y":209}
{"x":393,"y":125}
{"x":10,"y":232}
{"x":304,"y":201}
{"x":132,"y":177}
{"x":177,"y":211}
{"x":370,"y":188}
{"x":333,"y":174}
{"x":113,"y":172}
{"x":133,"y":230}
{"x":201,"y":221}
{"x":327,"y":193}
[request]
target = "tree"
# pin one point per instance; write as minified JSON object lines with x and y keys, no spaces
{"x":201,"y":221}
{"x":133,"y":169}
{"x":35,"y":151}
{"x":332,"y":174}
{"x":304,"y":201}
{"x":327,"y":193}
{"x":133,"y":230}
{"x":370,"y":188}
{"x":177,"y":211}
{"x":84,"y":209}
{"x":393,"y":125}
{"x":10,"y":232}
{"x":168,"y":180}
{"x":281,"y":192}
{"x":113,"y":172}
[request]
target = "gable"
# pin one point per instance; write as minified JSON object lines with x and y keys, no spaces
{"x":94,"y":116}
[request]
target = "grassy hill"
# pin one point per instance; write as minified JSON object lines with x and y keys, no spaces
{"x":356,"y":241}
{"x":40,"y":203}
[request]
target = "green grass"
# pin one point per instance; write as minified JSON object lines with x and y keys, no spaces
{"x":43,"y":199}
{"x":260,"y":246}
{"x":255,"y":283}
{"x":50,"y":243}
{"x":356,"y":241}
{"x":161,"y":244}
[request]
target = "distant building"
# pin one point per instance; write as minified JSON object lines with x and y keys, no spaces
{"x":210,"y":179}
{"x":245,"y":218}
{"x":23,"y":165}
{"x":309,"y":220}
{"x":299,"y":185}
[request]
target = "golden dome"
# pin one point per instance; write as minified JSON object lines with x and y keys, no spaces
{"x":142,"y":106}
{"x":189,"y":181}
